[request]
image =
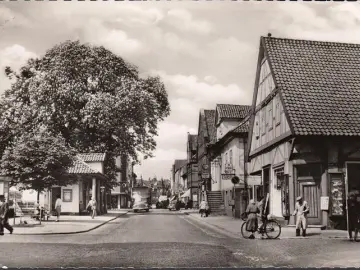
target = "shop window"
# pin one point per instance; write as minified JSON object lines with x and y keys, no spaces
{"x":67,"y":195}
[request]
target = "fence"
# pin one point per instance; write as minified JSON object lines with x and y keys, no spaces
{"x":27,"y":213}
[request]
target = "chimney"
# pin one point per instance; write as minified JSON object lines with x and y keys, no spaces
{"x":269,"y":34}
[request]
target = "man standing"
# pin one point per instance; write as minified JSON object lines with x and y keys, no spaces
{"x":353,"y":214}
{"x":58,"y":207}
{"x":92,"y":207}
{"x":4,"y":217}
{"x":301,"y":211}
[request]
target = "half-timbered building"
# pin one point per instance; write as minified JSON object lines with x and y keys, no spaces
{"x":305,"y":126}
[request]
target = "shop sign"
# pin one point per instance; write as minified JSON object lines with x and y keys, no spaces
{"x":205,"y":175}
{"x":227,"y":176}
{"x":253,"y":180}
{"x":194,"y":168}
{"x":324,"y":203}
{"x":228,"y":169}
{"x":205,"y":167}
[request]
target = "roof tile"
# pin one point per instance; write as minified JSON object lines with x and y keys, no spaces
{"x":210,"y":124}
{"x":92,"y":157}
{"x":319,"y":83}
{"x":232,"y":111}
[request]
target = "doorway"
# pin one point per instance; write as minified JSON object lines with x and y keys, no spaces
{"x":55,"y":191}
{"x":308,"y":179}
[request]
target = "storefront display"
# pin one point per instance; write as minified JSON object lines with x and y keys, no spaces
{"x":337,"y":191}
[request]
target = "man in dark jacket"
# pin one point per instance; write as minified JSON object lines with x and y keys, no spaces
{"x":4,"y":217}
{"x":353,"y":214}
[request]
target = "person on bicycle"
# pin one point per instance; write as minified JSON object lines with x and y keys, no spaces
{"x":252,"y":222}
{"x":263,"y":212}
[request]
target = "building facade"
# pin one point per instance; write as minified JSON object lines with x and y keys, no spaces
{"x":192,"y":169}
{"x":91,"y":183}
{"x":121,"y":194}
{"x":206,"y":135}
{"x":227,"y":156}
{"x":305,"y":127}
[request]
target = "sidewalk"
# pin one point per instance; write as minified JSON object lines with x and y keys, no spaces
{"x":232,"y":228}
{"x":67,"y":224}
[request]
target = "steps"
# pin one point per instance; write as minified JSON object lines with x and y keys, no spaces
{"x":216,"y":202}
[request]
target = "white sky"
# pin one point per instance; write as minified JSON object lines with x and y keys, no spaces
{"x":204,"y":51}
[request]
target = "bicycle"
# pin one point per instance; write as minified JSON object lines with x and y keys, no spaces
{"x":270,"y":227}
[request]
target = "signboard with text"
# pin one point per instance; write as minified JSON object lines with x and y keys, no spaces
{"x":205,"y":175}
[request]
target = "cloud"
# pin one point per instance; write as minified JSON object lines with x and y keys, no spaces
{"x":183,"y":21}
{"x":191,"y":88}
{"x":14,"y":56}
{"x":172,"y":135}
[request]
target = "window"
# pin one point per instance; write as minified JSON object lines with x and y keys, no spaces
{"x":231,"y":157}
{"x":277,"y":110}
{"x":262,"y":115}
{"x":270,"y":115}
{"x":67,"y":195}
{"x":257,"y":127}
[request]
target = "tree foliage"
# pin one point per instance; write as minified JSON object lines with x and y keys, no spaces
{"x":38,"y":160}
{"x":94,"y":99}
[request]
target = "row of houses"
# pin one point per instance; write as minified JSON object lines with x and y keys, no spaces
{"x":299,"y":137}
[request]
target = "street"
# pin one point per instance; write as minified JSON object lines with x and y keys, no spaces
{"x":169,"y":239}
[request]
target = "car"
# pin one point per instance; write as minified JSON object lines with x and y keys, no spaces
{"x":176,"y":205}
{"x":138,"y":206}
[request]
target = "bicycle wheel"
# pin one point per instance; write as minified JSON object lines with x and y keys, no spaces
{"x":272,"y":229}
{"x":245,"y":233}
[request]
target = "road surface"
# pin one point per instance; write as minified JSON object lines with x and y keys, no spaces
{"x":169,"y":239}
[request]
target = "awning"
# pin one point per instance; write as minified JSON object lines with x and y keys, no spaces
{"x":186,"y":194}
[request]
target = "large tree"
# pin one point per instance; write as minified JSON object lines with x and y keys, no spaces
{"x":93,"y":98}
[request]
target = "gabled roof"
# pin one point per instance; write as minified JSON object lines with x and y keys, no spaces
{"x":232,"y":111}
{"x":92,"y":157}
{"x":210,"y":124}
{"x":179,"y":163}
{"x":192,"y":141}
{"x":242,"y":128}
{"x":80,"y":167}
{"x":319,"y":83}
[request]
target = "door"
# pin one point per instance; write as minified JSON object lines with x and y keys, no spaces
{"x":310,"y":191}
{"x":55,"y":191}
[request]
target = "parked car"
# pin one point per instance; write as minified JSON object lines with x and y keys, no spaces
{"x":176,"y":205}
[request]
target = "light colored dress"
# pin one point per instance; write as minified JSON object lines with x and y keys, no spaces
{"x":252,"y":222}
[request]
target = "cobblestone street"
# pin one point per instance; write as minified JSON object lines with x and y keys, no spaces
{"x":162,"y":238}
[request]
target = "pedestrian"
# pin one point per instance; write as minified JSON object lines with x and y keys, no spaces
{"x":301,"y":211}
{"x":58,"y":204}
{"x":4,"y":216}
{"x":92,"y":207}
{"x":353,"y":214}
{"x":202,"y":208}
{"x":252,"y":221}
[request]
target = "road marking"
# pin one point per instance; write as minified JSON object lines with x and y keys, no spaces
{"x":202,"y":229}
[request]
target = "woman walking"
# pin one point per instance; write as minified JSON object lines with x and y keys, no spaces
{"x":252,"y":222}
{"x":92,"y":207}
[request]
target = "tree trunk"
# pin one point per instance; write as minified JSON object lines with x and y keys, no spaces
{"x":38,"y":196}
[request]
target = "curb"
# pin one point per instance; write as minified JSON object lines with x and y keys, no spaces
{"x":74,"y":232}
{"x":238,"y":236}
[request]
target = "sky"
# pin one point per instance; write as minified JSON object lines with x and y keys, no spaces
{"x":205,"y":52}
